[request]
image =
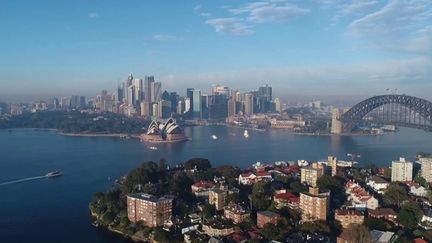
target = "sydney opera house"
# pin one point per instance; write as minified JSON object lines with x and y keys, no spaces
{"x":159,"y":132}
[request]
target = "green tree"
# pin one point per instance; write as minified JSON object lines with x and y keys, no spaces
{"x":230,"y":173}
{"x":208,"y":211}
{"x":162,"y":165}
{"x":357,"y":233}
{"x":395,"y":194}
{"x":198,"y":163}
{"x":270,"y":232}
{"x":298,"y":187}
{"x":161,"y":235}
{"x":327,"y":182}
{"x":409,"y":215}
{"x":261,"y":195}
{"x":420,"y":180}
{"x":377,"y":224}
{"x":150,"y":188}
{"x":233,"y":198}
{"x":315,"y":227}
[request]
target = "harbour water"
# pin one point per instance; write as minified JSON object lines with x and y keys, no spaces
{"x":36,"y":209}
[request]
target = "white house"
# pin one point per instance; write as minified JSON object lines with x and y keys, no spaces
{"x":378,"y":184}
{"x":418,"y":191}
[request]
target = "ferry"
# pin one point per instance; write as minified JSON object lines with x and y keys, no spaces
{"x":214,"y":137}
{"x":53,"y":174}
{"x":246,"y":134}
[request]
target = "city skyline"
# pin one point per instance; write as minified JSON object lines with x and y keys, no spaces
{"x":322,"y":47}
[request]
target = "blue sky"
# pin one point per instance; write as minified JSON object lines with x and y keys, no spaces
{"x":333,"y":47}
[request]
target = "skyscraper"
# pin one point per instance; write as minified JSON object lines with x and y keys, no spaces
{"x":248,"y":104}
{"x":231,"y":107}
{"x":278,"y":105}
{"x":148,"y":81}
{"x":220,"y":90}
{"x":120,"y":93}
{"x":189,"y":95}
{"x":156,"y":92}
{"x":164,"y":107}
{"x":145,"y":108}
{"x":187,"y":105}
{"x":130,"y":99}
{"x":181,"y":107}
{"x":196,"y":104}
{"x":265,"y":92}
{"x":174,"y":100}
{"x":138,"y":83}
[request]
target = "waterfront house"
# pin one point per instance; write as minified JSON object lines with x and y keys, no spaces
{"x":378,"y":184}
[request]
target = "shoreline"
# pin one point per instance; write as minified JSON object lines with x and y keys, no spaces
{"x":115,"y":135}
{"x":137,"y":136}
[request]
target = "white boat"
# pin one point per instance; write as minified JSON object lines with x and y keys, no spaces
{"x":302,"y":162}
{"x":153,"y":148}
{"x":214,"y":137}
{"x":246,"y":134}
{"x":53,"y":174}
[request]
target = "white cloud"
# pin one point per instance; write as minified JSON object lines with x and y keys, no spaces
{"x":93,"y":15}
{"x":233,"y":26}
{"x":357,"y":7}
{"x":245,"y":17}
{"x":264,"y":12}
{"x":397,"y":26}
{"x":163,"y":37}
{"x":197,"y":11}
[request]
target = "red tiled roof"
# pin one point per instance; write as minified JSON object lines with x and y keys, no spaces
{"x":287,"y":196}
{"x":247,"y":174}
{"x":238,"y":237}
{"x":263,"y":174}
{"x":418,"y":240}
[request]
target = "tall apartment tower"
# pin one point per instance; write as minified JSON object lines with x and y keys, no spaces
{"x":402,"y":170}
{"x":426,"y":168}
{"x":152,"y":211}
{"x":314,"y":205}
{"x":309,"y":175}
{"x":332,"y":162}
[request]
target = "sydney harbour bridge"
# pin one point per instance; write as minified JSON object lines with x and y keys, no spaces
{"x":401,"y":110}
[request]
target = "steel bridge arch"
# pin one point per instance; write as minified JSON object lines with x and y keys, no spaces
{"x":354,"y":115}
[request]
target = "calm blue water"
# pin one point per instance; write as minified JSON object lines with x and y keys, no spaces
{"x":55,"y":210}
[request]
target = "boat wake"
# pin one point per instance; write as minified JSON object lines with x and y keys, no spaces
{"x":21,"y":180}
